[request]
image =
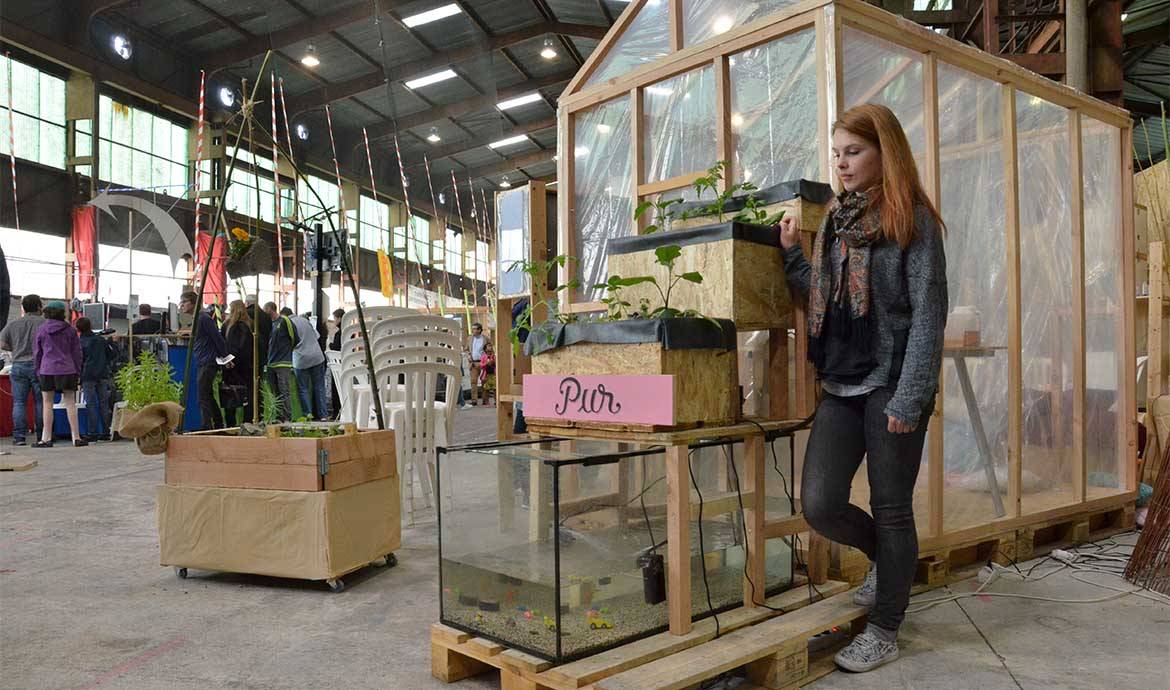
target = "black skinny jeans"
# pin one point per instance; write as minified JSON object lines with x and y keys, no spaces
{"x":209,"y":414}
{"x":845,"y":431}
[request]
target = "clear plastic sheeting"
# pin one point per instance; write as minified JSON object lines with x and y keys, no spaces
{"x":1104,"y":295}
{"x":602,"y":191}
{"x":703,"y":19}
{"x":512,"y":247}
{"x":679,"y":119}
{"x":646,"y":39}
{"x":774,"y":110}
{"x":975,"y":402}
{"x":877,"y":71}
{"x":1046,"y":300}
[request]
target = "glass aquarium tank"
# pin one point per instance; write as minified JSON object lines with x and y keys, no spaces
{"x":558,"y":547}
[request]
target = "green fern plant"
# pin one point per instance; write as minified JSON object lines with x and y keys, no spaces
{"x":146,"y":382}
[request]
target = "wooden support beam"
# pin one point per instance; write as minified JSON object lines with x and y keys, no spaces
{"x":1127,"y":394}
{"x":755,"y":468}
{"x":678,"y":535}
{"x":676,"y":25}
{"x":932,"y":180}
{"x":1015,"y":441}
{"x":1076,"y":200}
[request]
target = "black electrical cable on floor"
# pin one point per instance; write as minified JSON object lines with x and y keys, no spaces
{"x":702,"y":558}
{"x":743,"y":520}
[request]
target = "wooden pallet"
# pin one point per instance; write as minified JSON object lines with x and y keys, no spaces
{"x":774,"y":653}
{"x":456,"y":654}
{"x":938,"y":567}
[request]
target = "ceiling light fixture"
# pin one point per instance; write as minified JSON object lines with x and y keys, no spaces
{"x":1124,"y":16}
{"x":301,"y":131}
{"x":227,"y":97}
{"x":122,"y":46}
{"x":505,"y":183}
{"x":310,"y":59}
{"x":427,"y":80}
{"x":434,"y":137}
{"x":519,"y":101}
{"x":736,"y":120}
{"x":548,"y":52}
{"x":508,"y":142}
{"x":722,"y":24}
{"x":434,"y":15}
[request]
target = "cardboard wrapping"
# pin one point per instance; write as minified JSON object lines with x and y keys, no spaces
{"x":309,"y":535}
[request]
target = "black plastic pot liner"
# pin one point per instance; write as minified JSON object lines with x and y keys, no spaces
{"x":731,"y":230}
{"x":674,"y":334}
{"x":816,"y":192}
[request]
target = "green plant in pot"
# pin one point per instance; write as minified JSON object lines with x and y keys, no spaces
{"x":152,"y":403}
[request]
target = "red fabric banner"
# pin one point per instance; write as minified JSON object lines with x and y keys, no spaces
{"x":216,"y":289}
{"x":84,"y":243}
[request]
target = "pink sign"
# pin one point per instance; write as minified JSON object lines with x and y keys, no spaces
{"x":619,"y":399}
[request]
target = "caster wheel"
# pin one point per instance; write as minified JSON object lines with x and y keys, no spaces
{"x":181,"y":572}
{"x":391,"y":560}
{"x":335,"y":585}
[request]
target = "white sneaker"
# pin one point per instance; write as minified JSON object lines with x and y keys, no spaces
{"x":866,"y":594}
{"x":866,"y":652}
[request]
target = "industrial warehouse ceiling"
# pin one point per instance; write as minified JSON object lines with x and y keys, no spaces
{"x":451,"y":78}
{"x":472,"y":84}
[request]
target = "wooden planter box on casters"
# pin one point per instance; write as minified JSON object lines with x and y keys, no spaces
{"x":700,"y":357}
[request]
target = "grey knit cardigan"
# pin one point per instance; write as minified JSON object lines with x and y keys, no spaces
{"x":909,"y":302}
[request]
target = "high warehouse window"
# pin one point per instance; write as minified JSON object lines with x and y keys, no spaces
{"x":38,"y":102}
{"x":140,"y":150}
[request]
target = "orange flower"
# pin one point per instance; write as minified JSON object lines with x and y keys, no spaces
{"x":240,"y":234}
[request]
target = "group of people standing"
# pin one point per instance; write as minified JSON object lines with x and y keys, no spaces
{"x":50,"y":356}
{"x":288,"y":346}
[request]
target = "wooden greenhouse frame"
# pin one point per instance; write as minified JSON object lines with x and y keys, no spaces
{"x":829,"y":18}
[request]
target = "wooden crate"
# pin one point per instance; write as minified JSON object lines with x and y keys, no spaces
{"x":706,"y":381}
{"x":289,"y":464}
{"x":741,"y":265}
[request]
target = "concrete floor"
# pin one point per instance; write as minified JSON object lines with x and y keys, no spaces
{"x":84,"y":604}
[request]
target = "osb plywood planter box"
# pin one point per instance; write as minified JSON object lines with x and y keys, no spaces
{"x":741,"y":263}
{"x":699,"y":354}
{"x":309,"y":535}
{"x":228,"y":459}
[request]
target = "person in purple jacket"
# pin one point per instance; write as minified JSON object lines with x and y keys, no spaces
{"x":58,"y":361}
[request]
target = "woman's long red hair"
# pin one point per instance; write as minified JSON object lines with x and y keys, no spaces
{"x":901,"y":187}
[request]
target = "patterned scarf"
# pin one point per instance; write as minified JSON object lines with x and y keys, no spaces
{"x":849,"y":306}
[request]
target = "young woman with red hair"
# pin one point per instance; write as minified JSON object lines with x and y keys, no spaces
{"x":877,"y":304}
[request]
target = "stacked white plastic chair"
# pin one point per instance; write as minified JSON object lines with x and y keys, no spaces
{"x":353,"y":379}
{"x":412,"y":356}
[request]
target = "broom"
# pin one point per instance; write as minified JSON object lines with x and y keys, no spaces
{"x":1149,"y":566}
